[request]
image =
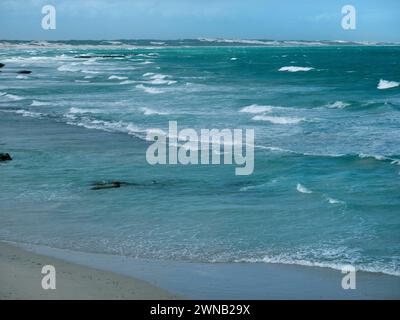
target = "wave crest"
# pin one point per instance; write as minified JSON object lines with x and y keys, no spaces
{"x":295,"y":69}
{"x":278,"y":120}
{"x":385,"y":84}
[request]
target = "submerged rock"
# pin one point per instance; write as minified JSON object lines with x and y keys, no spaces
{"x":118,"y":184}
{"x":24,"y":72}
{"x":5,"y":157}
{"x":106,"y":185}
{"x":99,"y":56}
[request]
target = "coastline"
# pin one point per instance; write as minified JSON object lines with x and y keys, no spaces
{"x":103,"y":276}
{"x":55,"y":166}
{"x":193,"y":280}
{"x":20,"y":279}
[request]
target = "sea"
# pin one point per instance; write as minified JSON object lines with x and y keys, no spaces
{"x":325,"y":190}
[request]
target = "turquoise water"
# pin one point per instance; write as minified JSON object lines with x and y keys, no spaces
{"x":326,"y":186}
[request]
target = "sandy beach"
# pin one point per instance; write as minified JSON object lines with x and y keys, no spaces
{"x":20,"y":278}
{"x":80,"y":189}
{"x":79,"y":276}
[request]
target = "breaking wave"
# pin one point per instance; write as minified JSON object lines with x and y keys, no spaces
{"x":385,"y":84}
{"x":278,"y":120}
{"x":295,"y":69}
{"x":302,"y":189}
{"x":149,"y":89}
{"x":255,"y":108}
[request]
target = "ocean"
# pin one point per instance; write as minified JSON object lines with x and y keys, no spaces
{"x":326,"y":184}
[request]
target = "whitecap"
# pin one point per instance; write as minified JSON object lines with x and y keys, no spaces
{"x":257,"y":186}
{"x":302,"y":189}
{"x":90,"y":71}
{"x":295,"y":69}
{"x":161,"y":81}
{"x":146,"y":62}
{"x":157,"y":78}
{"x":385,"y":84}
{"x":255,"y":108}
{"x":376,"y":157}
{"x":337,"y":105}
{"x":149,"y":89}
{"x":11,"y":96}
{"x":278,"y":120}
{"x":334,"y":201}
{"x":149,"y":112}
{"x":31,"y":114}
{"x":36,"y":103}
{"x":113,"y":77}
{"x":109,"y":126}
{"x":128,"y":82}
{"x":68,"y":68}
{"x":74,"y":110}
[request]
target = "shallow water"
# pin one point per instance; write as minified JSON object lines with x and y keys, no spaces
{"x":326,"y":185}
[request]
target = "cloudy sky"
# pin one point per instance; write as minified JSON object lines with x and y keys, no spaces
{"x":377,"y":20}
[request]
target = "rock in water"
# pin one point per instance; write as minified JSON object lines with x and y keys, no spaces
{"x":106,"y":185}
{"x":2,"y":65}
{"x":100,"y":56}
{"x":24,"y":72}
{"x":5,"y":157}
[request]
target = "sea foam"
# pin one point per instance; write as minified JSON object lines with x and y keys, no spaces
{"x":149,"y":89}
{"x":31,"y":114}
{"x":334,"y":201}
{"x":278,"y":120}
{"x":337,"y":105}
{"x":149,"y":112}
{"x":302,"y":189}
{"x":74,"y":110}
{"x":68,"y":68}
{"x":156,"y":78}
{"x":385,"y":84}
{"x":295,"y":69}
{"x":117,"y":78}
{"x":255,"y":108}
{"x":11,"y":96}
{"x":36,"y":103}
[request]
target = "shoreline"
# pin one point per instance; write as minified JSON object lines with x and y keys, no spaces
{"x":20,"y":279}
{"x":152,"y":279}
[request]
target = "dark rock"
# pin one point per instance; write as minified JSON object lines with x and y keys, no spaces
{"x":100,"y":56}
{"x":24,"y":72}
{"x":118,"y":184}
{"x":106,"y":185}
{"x":5,"y":157}
{"x":2,"y":65}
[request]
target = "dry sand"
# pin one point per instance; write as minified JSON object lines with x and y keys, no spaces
{"x":20,"y":278}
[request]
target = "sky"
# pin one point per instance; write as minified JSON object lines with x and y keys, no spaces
{"x":376,"y":20}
